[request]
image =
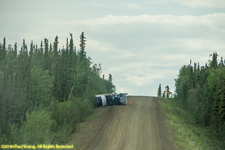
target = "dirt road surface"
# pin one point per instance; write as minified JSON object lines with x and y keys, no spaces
{"x":138,"y":126}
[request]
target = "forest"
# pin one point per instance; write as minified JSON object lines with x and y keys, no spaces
{"x":45,"y":91}
{"x":200,"y":91}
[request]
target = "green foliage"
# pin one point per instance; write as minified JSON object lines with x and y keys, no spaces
{"x":37,"y":128}
{"x":82,"y":46}
{"x":62,"y":135}
{"x":65,"y":113}
{"x":41,"y":88}
{"x":159,"y":93}
{"x":62,"y":81}
{"x":15,"y":134}
{"x":202,"y":93}
{"x":188,"y":135}
{"x":85,"y":108}
{"x":164,"y":94}
{"x":4,"y":139}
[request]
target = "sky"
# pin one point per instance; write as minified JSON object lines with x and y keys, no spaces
{"x":141,"y":43}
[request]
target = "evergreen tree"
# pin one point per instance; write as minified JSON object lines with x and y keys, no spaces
{"x":221,"y":62}
{"x":46,"y":54}
{"x":110,"y":78}
{"x":167,"y":91}
{"x":159,"y":93}
{"x":213,"y":63}
{"x":56,"y":70}
{"x":82,"y":46}
{"x":3,"y":50}
{"x":164,"y":94}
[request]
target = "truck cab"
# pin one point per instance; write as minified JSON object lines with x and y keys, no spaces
{"x":123,"y":98}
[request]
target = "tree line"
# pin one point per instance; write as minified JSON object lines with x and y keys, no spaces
{"x":201,"y":91}
{"x":166,"y":93}
{"x":45,"y":91}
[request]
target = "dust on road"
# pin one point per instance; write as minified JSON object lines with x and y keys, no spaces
{"x":136,"y":127}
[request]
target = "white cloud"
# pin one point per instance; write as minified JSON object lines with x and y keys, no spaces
{"x":131,"y":6}
{"x":113,"y":52}
{"x":199,"y":44}
{"x":142,"y":79}
{"x":102,"y":5}
{"x":116,"y":5}
{"x":194,"y":3}
{"x":185,"y":20}
{"x":202,"y":3}
{"x":98,"y":46}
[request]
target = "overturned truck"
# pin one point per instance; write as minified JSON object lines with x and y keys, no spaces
{"x":110,"y":99}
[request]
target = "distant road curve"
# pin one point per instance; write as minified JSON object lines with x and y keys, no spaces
{"x":138,"y":126}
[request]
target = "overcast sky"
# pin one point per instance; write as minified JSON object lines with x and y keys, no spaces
{"x":140,"y":42}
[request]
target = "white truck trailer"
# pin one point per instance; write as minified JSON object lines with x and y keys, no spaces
{"x":100,"y":100}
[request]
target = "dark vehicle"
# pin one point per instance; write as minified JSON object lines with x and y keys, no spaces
{"x":120,"y":99}
{"x":116,"y":99}
{"x":109,"y":99}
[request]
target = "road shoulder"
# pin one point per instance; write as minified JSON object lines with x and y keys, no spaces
{"x":89,"y":129}
{"x":161,"y":118}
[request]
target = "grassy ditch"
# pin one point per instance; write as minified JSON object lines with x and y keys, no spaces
{"x":187,"y":135}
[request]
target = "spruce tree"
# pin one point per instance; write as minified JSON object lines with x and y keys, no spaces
{"x":167,"y":91}
{"x":221,"y":62}
{"x":110,"y":77}
{"x":82,"y":46}
{"x":55,"y":47}
{"x":164,"y":94}
{"x":159,"y":91}
{"x":3,"y":50}
{"x":213,"y":63}
{"x":46,"y":55}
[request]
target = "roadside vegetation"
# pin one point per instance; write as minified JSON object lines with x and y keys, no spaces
{"x":197,"y":112}
{"x":186,"y":134}
{"x":46,"y":91}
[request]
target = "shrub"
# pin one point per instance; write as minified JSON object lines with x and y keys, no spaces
{"x":65,"y":112}
{"x":3,"y":139}
{"x":15,"y":134}
{"x":62,"y":135}
{"x":85,"y":108}
{"x":36,"y":129}
{"x":66,"y":115}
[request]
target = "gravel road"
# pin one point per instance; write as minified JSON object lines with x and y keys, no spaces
{"x":138,"y":126}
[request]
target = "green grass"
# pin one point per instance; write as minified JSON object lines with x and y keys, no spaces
{"x":187,"y":135}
